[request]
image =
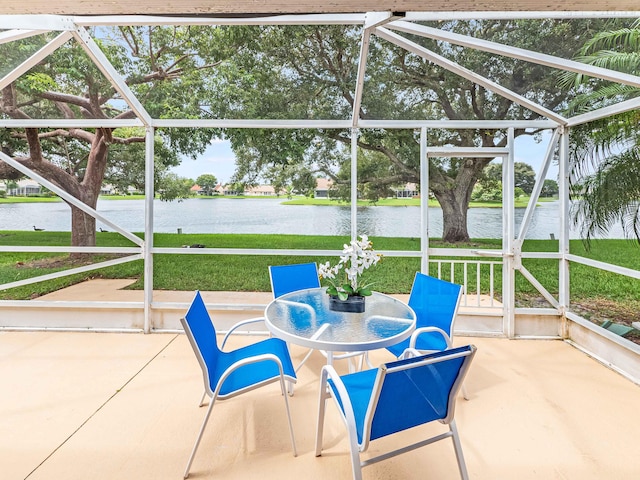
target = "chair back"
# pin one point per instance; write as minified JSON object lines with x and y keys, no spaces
{"x":435,"y":302}
{"x":289,"y":278}
{"x":201,"y":333}
{"x":414,"y":391}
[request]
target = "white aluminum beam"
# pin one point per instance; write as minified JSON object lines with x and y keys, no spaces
{"x":627,"y":105}
{"x":71,"y":271}
{"x":486,"y":152}
{"x":149,"y":196}
{"x":68,"y":197}
{"x":514,"y":52}
{"x":37,"y":22}
{"x":372,"y":20}
{"x":68,"y":249}
{"x":70,"y":123}
{"x":13,"y":35}
{"x":302,"y":123}
{"x":34,"y":59}
{"x":565,"y":209}
{"x":103,"y":64}
{"x":281,"y":124}
{"x":424,"y":202}
{"x":535,"y":194}
{"x":608,"y":267}
{"x":512,"y":257}
{"x":362,"y":66}
{"x":222,"y":123}
{"x":280,"y":252}
{"x":468,"y":74}
{"x":458,"y":124}
{"x":354,"y":183}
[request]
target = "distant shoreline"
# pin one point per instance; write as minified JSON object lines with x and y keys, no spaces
{"x":385,"y":202}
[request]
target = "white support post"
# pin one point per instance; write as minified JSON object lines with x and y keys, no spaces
{"x":149,"y":194}
{"x":565,"y":206}
{"x":424,"y":202}
{"x":354,"y":183}
{"x":508,"y":230}
{"x":535,"y":194}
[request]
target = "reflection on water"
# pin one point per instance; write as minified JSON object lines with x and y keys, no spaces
{"x":224,"y":215}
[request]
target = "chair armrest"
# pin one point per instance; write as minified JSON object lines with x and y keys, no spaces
{"x":419,"y":331}
{"x":265,"y":357}
{"x":239,"y":324}
{"x":409,"y":353}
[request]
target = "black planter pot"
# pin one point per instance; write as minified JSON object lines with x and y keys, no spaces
{"x":353,"y":304}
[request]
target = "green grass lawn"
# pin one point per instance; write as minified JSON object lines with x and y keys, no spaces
{"x":600,"y":292}
{"x":595,"y":294}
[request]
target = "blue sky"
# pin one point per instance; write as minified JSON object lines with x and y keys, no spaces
{"x":219,"y":160}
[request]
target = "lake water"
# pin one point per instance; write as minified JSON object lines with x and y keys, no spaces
{"x":261,"y":215}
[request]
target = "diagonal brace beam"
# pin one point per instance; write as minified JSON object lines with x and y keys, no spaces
{"x":468,"y":74}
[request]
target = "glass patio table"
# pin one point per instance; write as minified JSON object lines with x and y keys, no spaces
{"x":304,"y":318}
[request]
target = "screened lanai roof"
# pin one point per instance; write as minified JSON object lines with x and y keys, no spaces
{"x":206,"y":7}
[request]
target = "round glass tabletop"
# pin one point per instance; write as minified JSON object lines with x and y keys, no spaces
{"x":303,"y":317}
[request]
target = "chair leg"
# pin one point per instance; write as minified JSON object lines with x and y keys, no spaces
{"x":322,"y":403}
{"x":195,"y":447}
{"x":286,"y":403}
{"x":465,"y":395}
{"x":458,"y":449}
{"x":354,"y":451}
{"x":204,"y":395}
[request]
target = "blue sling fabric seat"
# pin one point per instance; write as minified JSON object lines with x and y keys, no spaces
{"x":228,"y":374}
{"x":436,"y":304}
{"x":394,"y":397}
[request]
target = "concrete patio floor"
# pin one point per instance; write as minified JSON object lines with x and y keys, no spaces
{"x":124,"y":406}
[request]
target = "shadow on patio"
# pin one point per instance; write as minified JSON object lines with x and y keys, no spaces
{"x":124,"y":406}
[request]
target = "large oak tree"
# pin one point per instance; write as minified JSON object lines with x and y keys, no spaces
{"x":310,"y":72}
{"x":168,"y":68}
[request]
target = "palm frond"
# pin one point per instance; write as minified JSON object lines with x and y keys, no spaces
{"x":626,"y":38}
{"x":602,"y":97}
{"x":611,"y":195}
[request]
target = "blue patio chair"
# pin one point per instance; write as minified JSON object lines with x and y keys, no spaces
{"x":394,"y":397}
{"x":436,"y":304}
{"x":284,"y":279}
{"x":228,"y":374}
{"x":289,"y":278}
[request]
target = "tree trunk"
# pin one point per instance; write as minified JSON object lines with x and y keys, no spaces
{"x":454,"y":217}
{"x":454,"y":197}
{"x":83,"y":229}
{"x":83,"y":225}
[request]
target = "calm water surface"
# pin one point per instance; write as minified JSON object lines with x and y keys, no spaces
{"x":225,"y":215}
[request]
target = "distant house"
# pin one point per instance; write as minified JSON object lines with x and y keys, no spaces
{"x":108,"y":189}
{"x":260,"y":191}
{"x":197,"y":190}
{"x":25,"y":187}
{"x":226,"y":190}
{"x":323,"y":185}
{"x":410,"y":190}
